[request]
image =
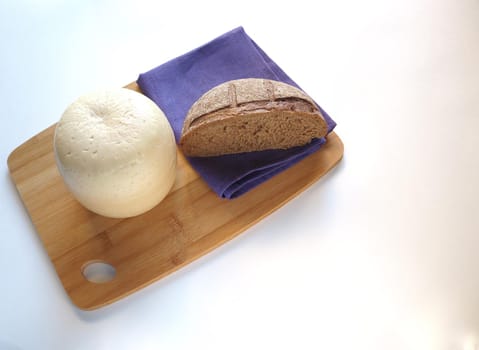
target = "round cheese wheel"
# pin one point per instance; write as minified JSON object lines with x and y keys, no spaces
{"x":116,"y":152}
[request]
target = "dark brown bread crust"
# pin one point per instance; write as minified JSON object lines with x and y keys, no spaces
{"x":250,"y":115}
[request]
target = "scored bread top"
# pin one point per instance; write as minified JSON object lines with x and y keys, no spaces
{"x":236,"y":92}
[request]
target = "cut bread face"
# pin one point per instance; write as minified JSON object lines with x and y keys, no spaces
{"x":248,"y":115}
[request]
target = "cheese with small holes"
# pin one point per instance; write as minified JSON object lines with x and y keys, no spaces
{"x":116,"y":152}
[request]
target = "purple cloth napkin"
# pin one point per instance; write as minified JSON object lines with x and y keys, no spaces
{"x":177,"y":84}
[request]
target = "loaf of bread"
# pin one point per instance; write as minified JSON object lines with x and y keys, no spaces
{"x":248,"y":115}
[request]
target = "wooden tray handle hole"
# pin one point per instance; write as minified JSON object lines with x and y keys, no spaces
{"x":98,"y":271}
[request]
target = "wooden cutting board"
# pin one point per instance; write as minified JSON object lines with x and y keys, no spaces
{"x":191,"y":221}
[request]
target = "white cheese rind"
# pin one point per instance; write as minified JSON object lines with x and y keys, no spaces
{"x":116,"y":152}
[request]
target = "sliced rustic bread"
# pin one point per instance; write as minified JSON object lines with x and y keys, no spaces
{"x":248,"y":115}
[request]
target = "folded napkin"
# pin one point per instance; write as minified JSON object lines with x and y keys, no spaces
{"x":177,"y":84}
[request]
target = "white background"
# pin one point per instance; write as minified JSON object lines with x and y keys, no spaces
{"x":382,"y":253}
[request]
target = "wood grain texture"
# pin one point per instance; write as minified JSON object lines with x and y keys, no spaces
{"x":191,"y":221}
